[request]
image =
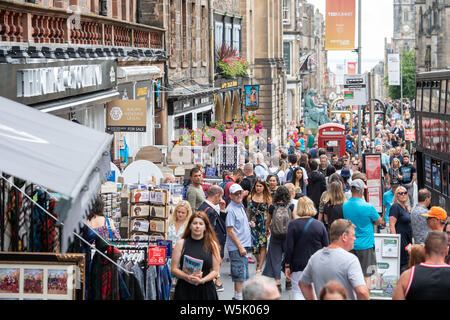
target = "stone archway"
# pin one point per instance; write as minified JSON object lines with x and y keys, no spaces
{"x":236,"y":106}
{"x":218,"y":109}
{"x":228,"y":117}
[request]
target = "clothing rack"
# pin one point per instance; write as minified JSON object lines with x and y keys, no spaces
{"x":62,"y":224}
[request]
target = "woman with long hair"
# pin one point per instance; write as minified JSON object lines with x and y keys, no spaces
{"x":96,"y":219}
{"x":400,"y":223}
{"x":274,"y":182}
{"x":259,"y":202}
{"x":394,"y":176}
{"x":272,"y":269}
{"x":298,"y":182}
{"x":304,"y":237}
{"x":178,"y":221}
{"x":196,"y":260}
{"x":334,"y":200}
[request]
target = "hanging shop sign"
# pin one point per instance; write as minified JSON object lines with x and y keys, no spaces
{"x":38,"y":82}
{"x":251,"y":97}
{"x":229,"y":84}
{"x":126,"y":116}
{"x":394,"y":69}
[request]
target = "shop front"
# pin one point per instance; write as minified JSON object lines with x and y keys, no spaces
{"x":227,"y":103}
{"x":190,"y":113}
{"x":73,"y":89}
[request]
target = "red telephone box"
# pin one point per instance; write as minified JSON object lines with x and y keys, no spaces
{"x":332,"y":138}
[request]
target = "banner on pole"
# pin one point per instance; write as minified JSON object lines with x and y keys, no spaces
{"x":340,"y":25}
{"x":351,"y":67}
{"x":394,"y":69}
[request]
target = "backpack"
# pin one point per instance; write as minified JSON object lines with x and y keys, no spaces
{"x":280,"y":220}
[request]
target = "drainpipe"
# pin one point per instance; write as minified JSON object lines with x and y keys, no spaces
{"x":211,"y":42}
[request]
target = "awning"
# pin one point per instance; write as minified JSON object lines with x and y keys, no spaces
{"x":138,"y":71}
{"x":80,"y":101}
{"x":60,"y":155}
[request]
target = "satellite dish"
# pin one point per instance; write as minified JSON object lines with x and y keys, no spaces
{"x":141,"y":172}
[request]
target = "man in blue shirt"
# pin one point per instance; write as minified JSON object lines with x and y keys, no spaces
{"x":238,"y":239}
{"x":363,"y":215}
{"x":388,"y":199}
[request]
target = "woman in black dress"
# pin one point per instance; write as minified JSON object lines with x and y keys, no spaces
{"x":400,"y":223}
{"x":196,"y":260}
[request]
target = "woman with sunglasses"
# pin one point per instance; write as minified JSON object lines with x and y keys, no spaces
{"x":400,"y":223}
{"x":259,"y":201}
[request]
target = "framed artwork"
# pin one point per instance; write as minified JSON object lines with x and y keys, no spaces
{"x":251,"y":96}
{"x":46,"y":276}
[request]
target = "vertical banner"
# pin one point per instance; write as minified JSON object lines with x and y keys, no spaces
{"x":351,"y":67}
{"x":340,"y":74}
{"x":340,"y":25}
{"x":394,"y":69}
{"x":372,"y":168}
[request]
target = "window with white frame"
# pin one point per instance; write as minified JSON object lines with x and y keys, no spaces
{"x":228,"y":29}
{"x":237,"y":37}
{"x":286,"y":11}
{"x":218,"y":34}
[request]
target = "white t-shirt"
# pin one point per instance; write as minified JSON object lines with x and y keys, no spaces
{"x":334,"y":264}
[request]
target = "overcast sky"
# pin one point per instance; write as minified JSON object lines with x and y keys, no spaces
{"x":377,"y":24}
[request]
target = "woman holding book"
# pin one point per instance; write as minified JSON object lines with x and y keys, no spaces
{"x":196,"y":260}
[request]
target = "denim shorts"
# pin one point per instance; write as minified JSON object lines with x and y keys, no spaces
{"x":239,"y":266}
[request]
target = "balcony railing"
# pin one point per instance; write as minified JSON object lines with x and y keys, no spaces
{"x":25,"y":23}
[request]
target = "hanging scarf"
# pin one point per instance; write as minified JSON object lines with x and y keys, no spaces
{"x":13,"y":217}
{"x":25,"y":217}
{"x":49,"y":228}
{"x":110,"y":285}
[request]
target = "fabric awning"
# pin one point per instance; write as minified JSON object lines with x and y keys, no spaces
{"x":80,"y":101}
{"x":60,"y":155}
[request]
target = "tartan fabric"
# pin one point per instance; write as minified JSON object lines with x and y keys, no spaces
{"x":13,"y":217}
{"x":110,"y":285}
{"x":49,"y":227}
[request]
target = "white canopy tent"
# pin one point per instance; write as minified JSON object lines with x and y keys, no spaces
{"x":60,"y":155}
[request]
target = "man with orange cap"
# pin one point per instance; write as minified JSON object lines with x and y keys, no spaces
{"x":436,"y":218}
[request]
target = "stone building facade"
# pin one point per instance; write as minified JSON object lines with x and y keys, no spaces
{"x":404,"y":25}
{"x":432,"y":35}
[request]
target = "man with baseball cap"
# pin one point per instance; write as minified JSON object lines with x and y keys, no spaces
{"x":238,"y":240}
{"x":363,"y":215}
{"x":436,"y":218}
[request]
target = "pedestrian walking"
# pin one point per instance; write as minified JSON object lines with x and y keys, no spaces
{"x":248,"y":181}
{"x":418,"y":221}
{"x":408,"y":174}
{"x":280,"y":214}
{"x":198,"y":245}
{"x":294,"y":201}
{"x":235,"y":177}
{"x":334,"y":201}
{"x":363,"y":215}
{"x":298,"y":182}
{"x":273,"y":183}
{"x":238,"y":239}
{"x":429,"y":280}
{"x":400,"y":223}
{"x":316,"y":184}
{"x":436,"y":218}
{"x":259,"y":201}
{"x":195,"y":194}
{"x":388,"y":200}
{"x":304,"y":237}
{"x":335,"y":263}
{"x":215,"y":208}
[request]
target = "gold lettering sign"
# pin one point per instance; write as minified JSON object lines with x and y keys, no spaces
{"x":126,"y":115}
{"x":229,"y":84}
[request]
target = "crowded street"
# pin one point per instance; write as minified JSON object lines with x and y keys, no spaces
{"x":232,"y":151}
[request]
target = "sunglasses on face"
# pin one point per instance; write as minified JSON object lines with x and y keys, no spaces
{"x":355,"y":164}
{"x":402,"y":193}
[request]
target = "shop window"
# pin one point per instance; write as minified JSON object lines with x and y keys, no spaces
{"x":287,"y":56}
{"x":199,"y":120}
{"x":286,"y":11}
{"x":188,"y":121}
{"x":218,"y":34}
{"x":427,"y":166}
{"x":448,"y":99}
{"x":447,"y":128}
{"x":426,"y":100}
{"x":425,"y":132}
{"x":228,"y":30}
